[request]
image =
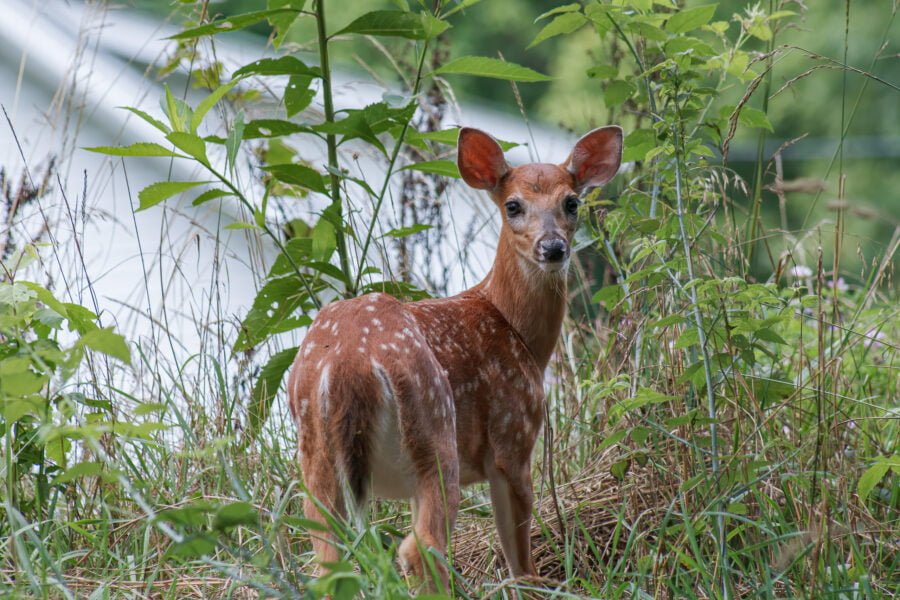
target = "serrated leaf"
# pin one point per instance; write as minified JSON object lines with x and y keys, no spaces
{"x":210,"y":195}
{"x":155,"y":193}
{"x":152,"y":121}
{"x":563,"y":24}
{"x":447,"y":168}
{"x":294,"y":174}
{"x":207,"y":103}
{"x":272,"y":311}
{"x":396,"y":23}
{"x":139,"y":149}
{"x":190,"y":144}
{"x":284,"y":65}
{"x":689,"y":19}
{"x":234,"y":23}
{"x":108,"y":342}
{"x":559,"y":10}
{"x":482,"y":66}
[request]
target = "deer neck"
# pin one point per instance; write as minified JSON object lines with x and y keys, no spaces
{"x":531,"y":300}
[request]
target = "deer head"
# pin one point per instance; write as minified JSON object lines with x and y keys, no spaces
{"x":539,"y":202}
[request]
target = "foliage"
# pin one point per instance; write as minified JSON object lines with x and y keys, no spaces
{"x":704,"y":351}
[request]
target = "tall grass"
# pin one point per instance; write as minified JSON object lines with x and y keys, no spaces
{"x":707,"y":435}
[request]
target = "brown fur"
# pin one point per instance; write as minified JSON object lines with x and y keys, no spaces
{"x":459,"y":380}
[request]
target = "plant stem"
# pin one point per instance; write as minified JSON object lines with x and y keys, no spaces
{"x":390,"y":171}
{"x":707,"y":368}
{"x":331,"y":140}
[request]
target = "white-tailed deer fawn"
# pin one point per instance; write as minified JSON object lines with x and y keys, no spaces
{"x":413,"y":400}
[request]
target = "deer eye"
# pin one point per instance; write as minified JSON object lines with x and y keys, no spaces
{"x":513,"y":208}
{"x":572,"y":204}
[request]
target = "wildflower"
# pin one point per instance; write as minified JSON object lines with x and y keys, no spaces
{"x":800,"y":271}
{"x":840,"y":284}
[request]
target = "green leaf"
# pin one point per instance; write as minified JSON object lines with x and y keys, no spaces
{"x":870,"y":478}
{"x":207,"y":103}
{"x":285,"y":65}
{"x":565,"y":8}
{"x":155,"y":122}
{"x":401,"y":232}
{"x":155,"y":193}
{"x":561,"y":25}
{"x":265,"y":389}
{"x":177,"y":110}
{"x":82,"y":469}
{"x":194,"y":546}
{"x":602,"y":72}
{"x":609,"y":295}
{"x":617,"y":92}
{"x":210,"y":195}
{"x":298,"y":94}
{"x":106,"y":341}
{"x":139,"y":149}
{"x":190,"y":144}
{"x":294,"y":174}
{"x":482,"y":66}
{"x":234,"y":23}
{"x":269,"y":128}
{"x":447,"y":168}
{"x":689,"y":337}
{"x":233,"y":141}
{"x":690,"y":18}
{"x":770,"y":336}
{"x":272,"y":311}
{"x":324,"y":239}
{"x":232,"y":515}
{"x":396,"y":23}
{"x":754,"y":118}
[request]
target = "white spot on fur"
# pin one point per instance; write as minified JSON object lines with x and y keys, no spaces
{"x":323,"y":391}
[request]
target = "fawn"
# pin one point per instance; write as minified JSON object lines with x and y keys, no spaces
{"x":414,"y":400}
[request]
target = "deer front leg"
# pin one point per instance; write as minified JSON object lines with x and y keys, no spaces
{"x":512,"y":498}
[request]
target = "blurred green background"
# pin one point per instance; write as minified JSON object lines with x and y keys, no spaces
{"x":811,"y":106}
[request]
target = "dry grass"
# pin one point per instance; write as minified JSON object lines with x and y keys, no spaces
{"x":583,"y":513}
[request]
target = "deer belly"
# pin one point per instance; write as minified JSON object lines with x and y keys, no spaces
{"x":390,"y":468}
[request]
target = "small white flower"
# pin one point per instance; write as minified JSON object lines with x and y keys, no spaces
{"x":800,"y":271}
{"x":840,"y":283}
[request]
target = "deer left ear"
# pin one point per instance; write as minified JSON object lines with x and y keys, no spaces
{"x":595,"y":158}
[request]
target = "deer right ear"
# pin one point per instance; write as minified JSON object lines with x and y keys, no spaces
{"x":480,"y":159}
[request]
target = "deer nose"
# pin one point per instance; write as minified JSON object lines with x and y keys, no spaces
{"x":553,"y":249}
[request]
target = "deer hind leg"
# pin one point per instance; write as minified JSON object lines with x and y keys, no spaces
{"x":512,"y":498}
{"x":434,"y":516}
{"x":325,"y":494}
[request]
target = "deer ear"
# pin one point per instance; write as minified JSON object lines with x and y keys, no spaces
{"x":595,"y":158}
{"x":480,"y":159}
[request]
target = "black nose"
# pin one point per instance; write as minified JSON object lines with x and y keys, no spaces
{"x":554,"y":249}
